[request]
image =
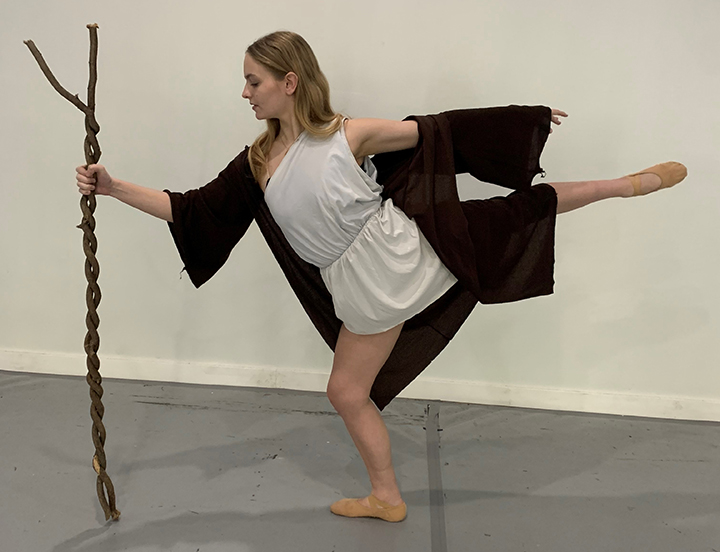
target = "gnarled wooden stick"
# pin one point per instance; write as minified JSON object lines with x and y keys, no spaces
{"x":92,"y":270}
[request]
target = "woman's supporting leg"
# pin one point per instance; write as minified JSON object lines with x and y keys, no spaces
{"x":358,"y":359}
{"x":573,"y":195}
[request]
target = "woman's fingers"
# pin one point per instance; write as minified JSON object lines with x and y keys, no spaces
{"x":93,"y":178}
{"x":556,"y":113}
{"x":84,"y":175}
{"x":86,"y":187}
{"x":90,"y":170}
{"x":85,"y":180}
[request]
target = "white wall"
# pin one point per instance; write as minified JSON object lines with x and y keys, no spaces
{"x":633,"y":326}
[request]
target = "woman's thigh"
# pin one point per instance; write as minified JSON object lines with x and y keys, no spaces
{"x":358,"y":359}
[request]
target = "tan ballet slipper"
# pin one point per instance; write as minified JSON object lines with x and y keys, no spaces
{"x":670,"y":173}
{"x":351,"y":507}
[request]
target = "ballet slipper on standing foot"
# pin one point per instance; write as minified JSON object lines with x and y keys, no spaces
{"x":351,"y":507}
{"x":670,"y":173}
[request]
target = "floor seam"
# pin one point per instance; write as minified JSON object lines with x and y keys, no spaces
{"x":438,"y":535}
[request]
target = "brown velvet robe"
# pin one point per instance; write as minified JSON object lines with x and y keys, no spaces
{"x":499,"y":249}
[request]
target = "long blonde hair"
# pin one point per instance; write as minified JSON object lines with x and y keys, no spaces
{"x":282,"y":52}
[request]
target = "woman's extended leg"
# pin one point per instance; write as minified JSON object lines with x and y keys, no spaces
{"x":572,"y":195}
{"x":358,"y":359}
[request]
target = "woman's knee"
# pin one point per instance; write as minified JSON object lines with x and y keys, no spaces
{"x":345,"y":398}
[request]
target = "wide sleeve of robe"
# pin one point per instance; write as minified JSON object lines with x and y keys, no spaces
{"x":209,"y":221}
{"x":501,"y":249}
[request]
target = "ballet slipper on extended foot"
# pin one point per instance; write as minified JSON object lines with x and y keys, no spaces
{"x":670,"y":173}
{"x":351,"y":507}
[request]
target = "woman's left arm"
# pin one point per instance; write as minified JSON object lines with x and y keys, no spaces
{"x":371,"y":136}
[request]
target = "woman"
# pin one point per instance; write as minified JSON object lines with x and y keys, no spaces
{"x":320,"y":185}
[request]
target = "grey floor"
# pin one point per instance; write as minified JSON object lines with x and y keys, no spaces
{"x":202,"y":468}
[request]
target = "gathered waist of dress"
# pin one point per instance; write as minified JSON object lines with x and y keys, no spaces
{"x":327,"y":242}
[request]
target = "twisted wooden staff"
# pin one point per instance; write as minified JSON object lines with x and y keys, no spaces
{"x":92,"y":270}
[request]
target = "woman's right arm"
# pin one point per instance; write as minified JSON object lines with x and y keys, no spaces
{"x":148,"y":200}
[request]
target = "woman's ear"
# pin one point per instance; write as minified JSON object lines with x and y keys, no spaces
{"x":291,"y":82}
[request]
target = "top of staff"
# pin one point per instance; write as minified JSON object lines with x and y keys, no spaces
{"x":93,"y":26}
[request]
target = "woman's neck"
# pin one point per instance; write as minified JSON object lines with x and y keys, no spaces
{"x":290,"y":129}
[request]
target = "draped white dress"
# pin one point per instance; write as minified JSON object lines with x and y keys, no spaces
{"x":377,"y":265}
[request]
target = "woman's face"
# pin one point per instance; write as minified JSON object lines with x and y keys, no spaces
{"x":269,"y":97}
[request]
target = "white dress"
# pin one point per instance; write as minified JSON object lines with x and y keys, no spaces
{"x":377,"y":265}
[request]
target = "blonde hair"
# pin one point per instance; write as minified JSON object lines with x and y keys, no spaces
{"x":282,"y":52}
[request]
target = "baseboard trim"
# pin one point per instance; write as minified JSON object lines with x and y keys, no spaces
{"x":423,"y":388}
